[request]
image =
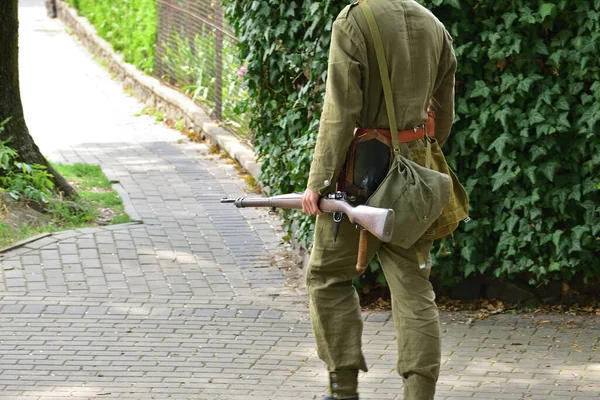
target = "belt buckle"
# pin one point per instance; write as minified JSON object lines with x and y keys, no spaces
{"x":424,"y":126}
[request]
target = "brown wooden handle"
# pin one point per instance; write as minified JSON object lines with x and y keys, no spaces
{"x":363,"y":241}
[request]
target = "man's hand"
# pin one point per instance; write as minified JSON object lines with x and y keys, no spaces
{"x":310,"y":202}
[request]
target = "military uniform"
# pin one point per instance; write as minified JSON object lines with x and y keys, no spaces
{"x":422,"y":65}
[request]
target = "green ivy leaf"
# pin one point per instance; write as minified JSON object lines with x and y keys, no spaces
{"x":563,"y":104}
{"x":556,"y":238}
{"x":554,"y":267}
{"x":541,"y":48}
{"x":548,"y":9}
{"x":511,"y":222}
{"x":591,"y":212}
{"x":500,"y":143}
{"x":526,"y":15}
{"x":454,"y":3}
{"x":502,"y":115}
{"x":482,"y":158}
{"x":535,"y":213}
{"x":595,"y":88}
{"x":536,"y":117}
{"x":549,"y":169}
{"x":509,"y":18}
{"x":530,"y":173}
{"x":481,"y":90}
{"x":502,"y":178}
{"x":469,"y":269}
{"x":537,"y":152}
{"x":576,"y":234}
{"x":590,"y":187}
{"x":314,"y":8}
{"x":563,"y":120}
{"x":508,"y":81}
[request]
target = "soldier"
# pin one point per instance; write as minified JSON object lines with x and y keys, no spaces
{"x":422,"y":64}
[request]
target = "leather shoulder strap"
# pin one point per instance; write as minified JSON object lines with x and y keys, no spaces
{"x":383,"y":70}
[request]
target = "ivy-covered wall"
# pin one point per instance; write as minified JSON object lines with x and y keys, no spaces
{"x":285,"y":46}
{"x":526,"y":142}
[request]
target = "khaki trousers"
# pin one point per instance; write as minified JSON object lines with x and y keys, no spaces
{"x":336,"y":317}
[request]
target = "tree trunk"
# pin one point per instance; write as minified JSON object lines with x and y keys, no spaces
{"x":10,"y":97}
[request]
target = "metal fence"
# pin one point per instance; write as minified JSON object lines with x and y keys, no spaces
{"x":196,"y":52}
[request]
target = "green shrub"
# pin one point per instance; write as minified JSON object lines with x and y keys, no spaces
{"x":526,"y":140}
{"x":128,"y":25}
{"x":20,"y":179}
{"x":284,"y":45}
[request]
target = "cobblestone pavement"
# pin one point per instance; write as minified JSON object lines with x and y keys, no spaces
{"x":198,"y":301}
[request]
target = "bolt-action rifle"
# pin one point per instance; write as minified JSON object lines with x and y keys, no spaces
{"x":378,"y":221}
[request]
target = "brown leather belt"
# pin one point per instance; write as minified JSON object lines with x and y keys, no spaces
{"x":406,"y":136}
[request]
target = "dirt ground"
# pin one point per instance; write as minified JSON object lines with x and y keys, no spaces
{"x":15,"y":214}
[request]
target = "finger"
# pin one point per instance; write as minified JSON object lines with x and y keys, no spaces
{"x":306,"y":206}
{"x":316,"y":206}
{"x":316,"y":209}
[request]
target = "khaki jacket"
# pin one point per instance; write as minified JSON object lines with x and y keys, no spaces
{"x":421,"y":63}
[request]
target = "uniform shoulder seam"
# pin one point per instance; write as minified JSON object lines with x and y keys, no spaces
{"x":346,"y":11}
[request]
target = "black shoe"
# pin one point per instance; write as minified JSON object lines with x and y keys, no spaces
{"x":325,"y":397}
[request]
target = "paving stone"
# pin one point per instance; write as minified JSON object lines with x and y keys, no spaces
{"x":87,"y":244}
{"x":33,"y":309}
{"x":12,"y":309}
{"x":66,"y":247}
{"x":31,"y":259}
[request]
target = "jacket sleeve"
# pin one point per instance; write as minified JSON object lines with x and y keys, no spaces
{"x":443,"y":96}
{"x":342,"y":107}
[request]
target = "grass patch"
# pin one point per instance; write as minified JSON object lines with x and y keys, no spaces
{"x":179,"y":125}
{"x":10,"y":234}
{"x":98,"y":204}
{"x":86,"y":177}
{"x":155,"y":113}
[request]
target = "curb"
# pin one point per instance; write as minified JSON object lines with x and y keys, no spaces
{"x":22,"y":243}
{"x":60,"y":235}
{"x":150,"y":90}
{"x":127,"y":203}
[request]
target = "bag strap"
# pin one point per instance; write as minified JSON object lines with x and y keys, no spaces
{"x":385,"y":81}
{"x":383,"y":71}
{"x":389,"y":100}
